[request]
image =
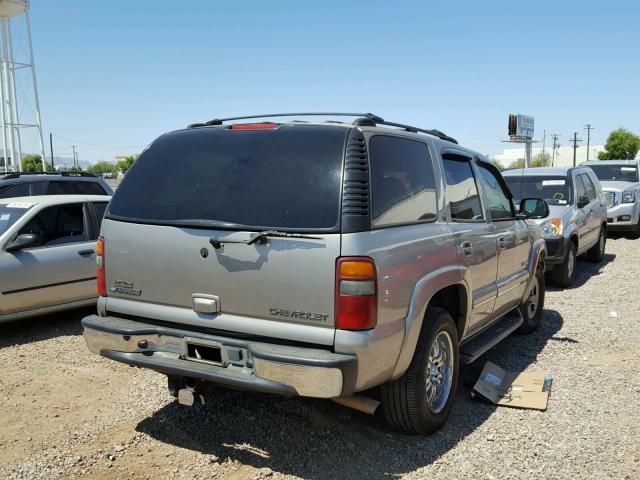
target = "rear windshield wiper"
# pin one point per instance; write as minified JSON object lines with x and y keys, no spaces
{"x":260,"y":237}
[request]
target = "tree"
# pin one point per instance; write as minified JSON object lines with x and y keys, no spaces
{"x":33,"y":163}
{"x":542,"y":159}
{"x":621,"y":145}
{"x":519,"y":163}
{"x":102,"y":167}
{"x":497,"y":164}
{"x":124,"y":165}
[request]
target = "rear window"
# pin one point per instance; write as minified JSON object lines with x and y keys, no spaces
{"x":286,"y":178}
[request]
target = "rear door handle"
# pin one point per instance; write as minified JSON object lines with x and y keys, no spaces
{"x":84,"y":253}
{"x":467,"y":249}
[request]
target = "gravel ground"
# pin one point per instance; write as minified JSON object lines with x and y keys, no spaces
{"x":68,"y":414}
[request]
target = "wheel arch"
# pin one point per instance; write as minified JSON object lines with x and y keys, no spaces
{"x":447,"y":288}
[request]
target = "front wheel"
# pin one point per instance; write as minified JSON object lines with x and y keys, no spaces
{"x":531,"y":308}
{"x":420,"y":400}
{"x":562,"y":275}
{"x":596,"y":253}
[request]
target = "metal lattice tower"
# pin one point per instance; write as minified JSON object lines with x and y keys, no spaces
{"x":12,"y":92}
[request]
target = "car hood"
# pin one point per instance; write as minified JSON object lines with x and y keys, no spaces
{"x":557,"y":211}
{"x":617,"y":186}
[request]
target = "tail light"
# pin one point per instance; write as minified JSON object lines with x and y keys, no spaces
{"x":253,"y":126}
{"x":356,"y":293}
{"x":102,"y":284}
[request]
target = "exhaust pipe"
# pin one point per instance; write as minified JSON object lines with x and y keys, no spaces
{"x":358,"y":402}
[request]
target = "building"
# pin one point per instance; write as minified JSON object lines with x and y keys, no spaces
{"x":563,"y":157}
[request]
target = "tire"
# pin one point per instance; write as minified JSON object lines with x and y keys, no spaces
{"x":562,"y":275}
{"x":531,"y":308}
{"x":405,"y":400}
{"x":635,"y":233}
{"x":596,"y":253}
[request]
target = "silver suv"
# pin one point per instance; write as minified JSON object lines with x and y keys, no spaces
{"x":621,"y":185}
{"x":577,"y":222}
{"x":317,"y":259}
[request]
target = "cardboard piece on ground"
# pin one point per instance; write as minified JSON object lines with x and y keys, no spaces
{"x":513,"y":389}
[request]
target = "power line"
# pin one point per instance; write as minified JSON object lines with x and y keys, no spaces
{"x":97,"y":145}
{"x":575,"y":146}
{"x":588,"y":128}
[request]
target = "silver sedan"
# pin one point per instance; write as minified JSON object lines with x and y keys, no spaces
{"x":47,"y":253}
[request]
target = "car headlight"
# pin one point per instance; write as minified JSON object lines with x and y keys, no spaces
{"x":629,"y":196}
{"x":551,"y":227}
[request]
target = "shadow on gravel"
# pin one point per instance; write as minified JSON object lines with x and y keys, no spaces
{"x":36,"y":329}
{"x":318,"y":439}
{"x":585,"y":271}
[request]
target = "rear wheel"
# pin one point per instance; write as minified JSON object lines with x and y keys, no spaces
{"x":420,"y":400}
{"x":531,"y":308}
{"x":562,"y":275}
{"x":596,"y":253}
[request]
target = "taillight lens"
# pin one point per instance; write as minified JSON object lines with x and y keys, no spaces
{"x":102,"y":284}
{"x":356,"y":293}
{"x":253,"y":126}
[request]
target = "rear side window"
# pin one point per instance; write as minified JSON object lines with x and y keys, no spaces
{"x":462,"y":191}
{"x":99,"y":209}
{"x":74,"y":188}
{"x":591,"y":189}
{"x":286,"y":178}
{"x":403,"y":186}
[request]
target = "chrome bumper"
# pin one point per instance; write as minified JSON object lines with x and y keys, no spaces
{"x":615,"y":213}
{"x":247,"y":365}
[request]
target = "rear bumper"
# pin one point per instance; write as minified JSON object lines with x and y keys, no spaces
{"x":246,"y":365}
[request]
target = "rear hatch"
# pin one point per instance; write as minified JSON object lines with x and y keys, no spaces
{"x":176,"y":228}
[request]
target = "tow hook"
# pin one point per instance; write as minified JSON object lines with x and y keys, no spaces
{"x":188,"y":397}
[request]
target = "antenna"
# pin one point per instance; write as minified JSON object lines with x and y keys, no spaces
{"x":13,"y":85}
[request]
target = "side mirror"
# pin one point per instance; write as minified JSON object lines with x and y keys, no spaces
{"x":583,"y":201}
{"x":25,"y":240}
{"x":533,"y":208}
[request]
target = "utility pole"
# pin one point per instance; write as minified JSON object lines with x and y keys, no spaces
{"x":74,"y":155}
{"x":555,"y":146}
{"x":588,"y":128}
{"x":575,"y":146}
{"x":53,"y":165}
{"x":544,"y":141}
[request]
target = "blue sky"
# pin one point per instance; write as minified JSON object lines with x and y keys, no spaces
{"x":120,"y":73}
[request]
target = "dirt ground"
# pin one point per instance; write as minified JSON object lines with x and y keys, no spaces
{"x":65,"y":413}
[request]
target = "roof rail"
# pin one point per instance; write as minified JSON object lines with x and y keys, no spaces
{"x":364,"y":119}
{"x":9,"y":175}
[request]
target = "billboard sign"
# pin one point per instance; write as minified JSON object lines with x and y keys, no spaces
{"x":521,"y":125}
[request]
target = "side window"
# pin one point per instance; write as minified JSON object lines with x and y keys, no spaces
{"x":17,"y":190}
{"x":462,"y":191}
{"x":403,"y":187}
{"x":591,"y":189}
{"x":60,"y":188}
{"x":99,"y":208}
{"x":499,"y":203}
{"x":90,"y":188}
{"x":580,"y":188}
{"x":58,"y":225}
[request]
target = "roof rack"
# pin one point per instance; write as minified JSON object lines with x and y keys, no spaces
{"x":364,"y":119}
{"x":9,"y":175}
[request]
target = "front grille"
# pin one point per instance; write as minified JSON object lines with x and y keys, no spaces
{"x":611,"y":198}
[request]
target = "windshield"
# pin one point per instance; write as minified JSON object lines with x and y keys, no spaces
{"x":10,"y":213}
{"x":620,"y":173}
{"x":287,"y":178}
{"x":554,"y":190}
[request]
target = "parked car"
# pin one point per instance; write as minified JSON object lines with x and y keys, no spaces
{"x":621,"y":185}
{"x":48,"y":253}
{"x":51,"y":183}
{"x":577,"y":223}
{"x":315,"y":259}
